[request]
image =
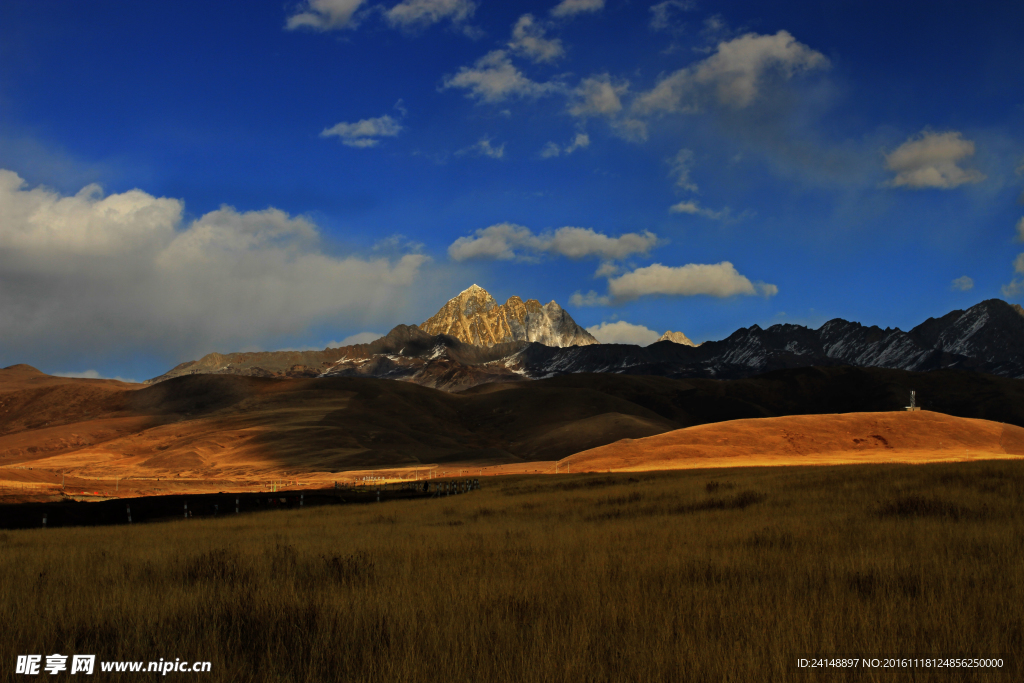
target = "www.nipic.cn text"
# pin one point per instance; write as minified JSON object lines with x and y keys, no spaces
{"x":33,"y":665}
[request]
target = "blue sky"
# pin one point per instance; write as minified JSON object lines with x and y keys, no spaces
{"x":215,"y":176}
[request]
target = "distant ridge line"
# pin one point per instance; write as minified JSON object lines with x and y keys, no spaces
{"x":987,"y":338}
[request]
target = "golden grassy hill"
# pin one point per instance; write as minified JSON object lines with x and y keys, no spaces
{"x":920,"y":436}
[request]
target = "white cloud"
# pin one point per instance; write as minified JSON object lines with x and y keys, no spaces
{"x":681,"y":164}
{"x":88,"y":374}
{"x":325,"y":15}
{"x":607,"y":269}
{"x":579,"y":142}
{"x":718,"y":279}
{"x":88,"y":275}
{"x":692,"y":207}
{"x":365,"y":133}
{"x":91,"y":374}
{"x":661,"y":12}
{"x":360,"y":338}
{"x":962,"y":284}
{"x":685,"y":207}
{"x":931,"y":160}
{"x":528,"y":40}
{"x":581,"y":242}
{"x":508,"y":241}
{"x":591,"y":298}
{"x":597,"y":96}
{"x":621,"y":332}
{"x":420,"y":13}
{"x":630,"y":129}
{"x":1016,"y":287}
{"x":493,"y":78}
{"x":497,"y":241}
{"x":484,"y":148}
{"x":569,"y":8}
{"x":1020,"y":229}
{"x":733,"y":76}
{"x":552,"y":149}
{"x":1018,"y":264}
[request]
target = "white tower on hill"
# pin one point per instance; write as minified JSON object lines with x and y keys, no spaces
{"x":913,"y":398}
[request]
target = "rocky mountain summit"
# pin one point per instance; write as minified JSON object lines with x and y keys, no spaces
{"x":988,"y":338}
{"x":474,"y":317}
{"x":677,"y":338}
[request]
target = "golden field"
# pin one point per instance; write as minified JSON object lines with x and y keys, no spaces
{"x":692,"y":575}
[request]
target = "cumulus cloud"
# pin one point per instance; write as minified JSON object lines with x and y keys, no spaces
{"x":1020,"y":230}
{"x":528,"y":39}
{"x":597,"y":96}
{"x":552,"y":149}
{"x":569,"y":8}
{"x":365,"y":133}
{"x":733,"y":75}
{"x":718,"y":279}
{"x":324,"y":15}
{"x":621,"y":332}
{"x":483,"y":147}
{"x":962,"y":284}
{"x":661,"y":13}
{"x":591,"y":298}
{"x":506,"y":241}
{"x":493,"y":78}
{"x":932,"y":160}
{"x":421,"y":13}
{"x":693,"y":208}
{"x":92,"y":275}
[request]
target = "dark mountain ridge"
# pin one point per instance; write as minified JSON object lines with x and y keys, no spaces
{"x":987,"y":338}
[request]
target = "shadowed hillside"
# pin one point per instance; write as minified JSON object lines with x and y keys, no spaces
{"x":229,"y":426}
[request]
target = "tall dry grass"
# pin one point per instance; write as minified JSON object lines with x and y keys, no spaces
{"x":723,"y":575}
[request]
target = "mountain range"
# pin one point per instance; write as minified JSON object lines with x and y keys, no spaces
{"x":472,"y":340}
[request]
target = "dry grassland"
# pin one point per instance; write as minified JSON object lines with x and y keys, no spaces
{"x":714,"y":575}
